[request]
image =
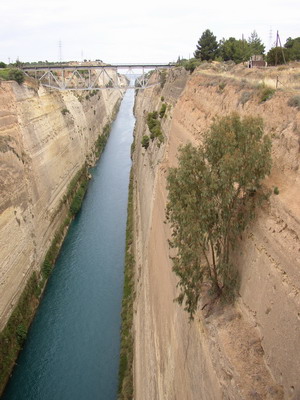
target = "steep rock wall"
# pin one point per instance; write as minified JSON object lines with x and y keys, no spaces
{"x":45,"y":138}
{"x":250,"y":350}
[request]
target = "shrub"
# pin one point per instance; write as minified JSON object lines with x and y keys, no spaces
{"x":21,"y":334}
{"x":2,"y":64}
{"x":65,"y":111}
{"x":222,"y":86}
{"x":190,"y":65}
{"x":78,"y":198}
{"x":276,"y":190}
{"x":13,"y":74}
{"x":154,"y":125}
{"x":127,"y":334}
{"x":16,"y":75}
{"x":266,"y":93}
{"x":294,"y":102}
{"x":163,"y":110}
{"x":163,"y":78}
{"x":145,"y":141}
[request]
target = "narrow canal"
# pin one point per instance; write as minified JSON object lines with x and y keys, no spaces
{"x":72,"y":350}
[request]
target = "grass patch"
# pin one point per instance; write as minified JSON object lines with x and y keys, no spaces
{"x":125,"y":391}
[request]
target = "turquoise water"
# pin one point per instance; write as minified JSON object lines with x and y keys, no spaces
{"x":72,"y":350}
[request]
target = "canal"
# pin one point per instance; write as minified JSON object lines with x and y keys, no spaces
{"x":72,"y":349}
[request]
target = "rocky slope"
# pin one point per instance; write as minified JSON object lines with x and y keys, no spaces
{"x":45,"y":138}
{"x":250,"y":350}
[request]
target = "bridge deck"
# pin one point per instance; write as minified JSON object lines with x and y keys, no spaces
{"x":87,"y":67}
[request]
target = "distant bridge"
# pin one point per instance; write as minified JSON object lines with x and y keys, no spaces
{"x":95,"y":77}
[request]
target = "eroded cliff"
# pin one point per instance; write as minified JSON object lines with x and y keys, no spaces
{"x":45,"y":138}
{"x":250,"y":350}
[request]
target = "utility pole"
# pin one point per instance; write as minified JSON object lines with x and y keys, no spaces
{"x":278,"y":42}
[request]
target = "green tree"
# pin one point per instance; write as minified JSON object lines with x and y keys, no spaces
{"x":255,"y":44}
{"x":207,"y":46}
{"x":278,"y":56}
{"x":235,"y":50}
{"x":212,"y":196}
{"x":2,"y":64}
{"x":293,"y":46}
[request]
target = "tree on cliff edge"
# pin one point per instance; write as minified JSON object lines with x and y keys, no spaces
{"x":212,"y":197}
{"x":207,"y":46}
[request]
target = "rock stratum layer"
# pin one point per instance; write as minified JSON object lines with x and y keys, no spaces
{"x":45,"y":138}
{"x":250,"y":350}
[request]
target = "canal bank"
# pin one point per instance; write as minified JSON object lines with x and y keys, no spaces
{"x":72,"y":350}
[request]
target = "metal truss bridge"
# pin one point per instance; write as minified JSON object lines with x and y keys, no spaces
{"x":97,"y":77}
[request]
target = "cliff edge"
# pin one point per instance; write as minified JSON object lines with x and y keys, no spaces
{"x":45,"y":139}
{"x":250,"y":350}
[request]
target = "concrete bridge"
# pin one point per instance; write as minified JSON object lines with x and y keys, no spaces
{"x":96,"y":77}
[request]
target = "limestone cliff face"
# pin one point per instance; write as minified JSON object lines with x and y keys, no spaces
{"x":45,"y":138}
{"x":250,"y":350}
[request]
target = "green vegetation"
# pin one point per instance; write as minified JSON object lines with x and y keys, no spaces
{"x":281,"y":55}
{"x":276,"y":190}
{"x":12,"y":74}
{"x":127,"y":338}
{"x":13,"y":335}
{"x":189,"y":65}
{"x":154,"y":125}
{"x":78,"y":198}
{"x":265,"y":93}
{"x":2,"y":64}
{"x":255,"y":44}
{"x":222,"y":86}
{"x":212,"y":197}
{"x":145,"y":141}
{"x":65,"y":111}
{"x":208,"y":49}
{"x":163,"y":110}
{"x":277,"y":56}
{"x":162,"y":78}
{"x":293,"y":48}
{"x":234,"y":50}
{"x":102,"y":140}
{"x":207,"y":46}
{"x":294,"y":102}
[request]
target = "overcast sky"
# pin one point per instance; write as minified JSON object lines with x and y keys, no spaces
{"x":134,"y":31}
